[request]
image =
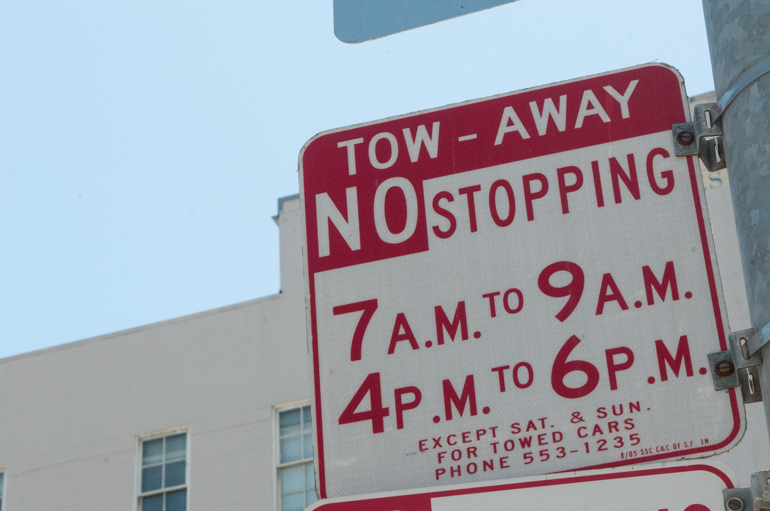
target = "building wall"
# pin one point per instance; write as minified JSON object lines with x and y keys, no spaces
{"x":70,"y":415}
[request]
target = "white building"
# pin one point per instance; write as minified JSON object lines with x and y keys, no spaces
{"x":211,"y":411}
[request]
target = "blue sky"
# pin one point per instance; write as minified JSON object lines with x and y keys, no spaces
{"x":143,"y":144}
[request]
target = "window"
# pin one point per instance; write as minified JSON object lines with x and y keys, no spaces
{"x":296,"y":479}
{"x":2,"y":487}
{"x":163,"y":477}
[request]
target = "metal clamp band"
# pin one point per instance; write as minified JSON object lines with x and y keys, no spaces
{"x":757,"y":340}
{"x":746,"y":78}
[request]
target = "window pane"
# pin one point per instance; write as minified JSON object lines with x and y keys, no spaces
{"x":174,"y":474}
{"x":307,"y":419}
{"x":176,"y":501}
{"x":152,"y":451}
{"x":153,"y":503}
{"x":2,"y":477}
{"x":175,"y":447}
{"x":307,"y":445}
{"x":289,"y":422}
{"x":151,"y":478}
{"x":292,"y":502}
{"x":309,"y":476}
{"x":291,"y":479}
{"x":291,"y":449}
{"x":309,"y":497}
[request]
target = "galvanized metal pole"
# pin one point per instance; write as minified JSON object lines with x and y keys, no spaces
{"x":739,"y":38}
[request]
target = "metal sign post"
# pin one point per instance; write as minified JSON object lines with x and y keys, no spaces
{"x":513,"y":286}
{"x":669,"y":487}
{"x":739,"y":41}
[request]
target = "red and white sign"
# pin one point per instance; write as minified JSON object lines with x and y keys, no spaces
{"x":664,"y":487}
{"x":512,"y":286}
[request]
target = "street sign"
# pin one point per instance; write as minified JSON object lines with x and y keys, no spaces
{"x":523,"y":284}
{"x":356,"y":21}
{"x":669,"y":487}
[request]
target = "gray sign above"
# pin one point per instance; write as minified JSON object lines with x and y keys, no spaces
{"x":356,"y":21}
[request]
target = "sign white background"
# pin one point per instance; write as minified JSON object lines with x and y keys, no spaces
{"x":659,"y":405}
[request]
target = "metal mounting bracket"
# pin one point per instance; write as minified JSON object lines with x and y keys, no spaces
{"x":703,"y":136}
{"x":758,"y":339}
{"x":736,"y":367}
{"x":707,"y":121}
{"x":754,"y":498}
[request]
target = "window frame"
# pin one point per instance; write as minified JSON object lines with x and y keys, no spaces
{"x":153,"y":435}
{"x":277,"y":465}
{"x":3,"y":487}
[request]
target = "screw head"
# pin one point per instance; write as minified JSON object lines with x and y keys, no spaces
{"x":735,"y":504}
{"x":724,"y":369}
{"x":685,"y":137}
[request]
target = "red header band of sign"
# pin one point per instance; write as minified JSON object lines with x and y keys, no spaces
{"x":350,"y":165}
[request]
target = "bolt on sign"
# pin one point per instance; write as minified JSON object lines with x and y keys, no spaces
{"x":512,"y":286}
{"x":664,"y":487}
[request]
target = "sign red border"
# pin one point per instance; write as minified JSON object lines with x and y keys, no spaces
{"x":317,"y":150}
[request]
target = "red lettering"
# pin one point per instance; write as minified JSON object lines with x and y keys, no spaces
{"x":367,"y":307}
{"x":530,"y":195}
{"x":451,"y":398}
{"x":530,"y":375}
{"x":505,"y":185}
{"x":675,"y":363}
{"x":501,"y":376}
{"x":491,"y":296}
{"x":444,"y":213}
{"x":459,"y":321}
{"x":661,"y":287}
{"x":506,"y":304}
{"x":614,"y":368}
{"x":630,"y":179}
{"x":564,"y":188}
{"x":398,"y":336}
{"x":401,"y":406}
{"x":376,"y":413}
{"x":468,"y":192}
{"x":597,"y":184}
{"x":614,"y":294}
{"x":667,"y":175}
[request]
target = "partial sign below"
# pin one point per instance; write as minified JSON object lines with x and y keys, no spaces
{"x":356,"y":21}
{"x":513,"y":286}
{"x":664,"y":487}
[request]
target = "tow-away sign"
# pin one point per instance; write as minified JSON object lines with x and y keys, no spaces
{"x":665,"y":487}
{"x":512,"y":286}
